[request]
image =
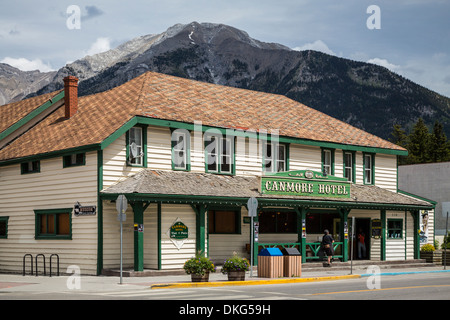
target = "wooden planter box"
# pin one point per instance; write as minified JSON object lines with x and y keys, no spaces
{"x":448,"y":257}
{"x":433,"y":257}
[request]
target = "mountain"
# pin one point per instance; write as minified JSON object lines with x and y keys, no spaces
{"x":16,"y":84}
{"x":365,"y":95}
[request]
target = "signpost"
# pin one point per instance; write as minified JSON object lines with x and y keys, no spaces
{"x":353,"y":239}
{"x":121,"y":206}
{"x":252,"y":206}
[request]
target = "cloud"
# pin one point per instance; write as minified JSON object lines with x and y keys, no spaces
{"x":384,"y":63}
{"x":100,"y":45}
{"x":92,"y":12}
{"x":27,"y":65}
{"x":317,"y":45}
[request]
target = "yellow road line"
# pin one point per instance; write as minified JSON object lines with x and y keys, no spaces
{"x":385,"y":289}
{"x":248,"y":282}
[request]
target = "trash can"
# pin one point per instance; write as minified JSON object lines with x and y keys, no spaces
{"x":270,"y":263}
{"x":292,"y":262}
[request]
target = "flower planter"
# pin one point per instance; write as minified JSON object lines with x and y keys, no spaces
{"x":200,"y":277}
{"x":236,"y":275}
{"x":432,"y":257}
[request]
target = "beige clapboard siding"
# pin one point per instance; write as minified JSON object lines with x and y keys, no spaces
{"x":159,"y":148}
{"x":248,"y":156}
{"x":386,"y":171}
{"x":305,"y":158}
{"x":54,"y":187}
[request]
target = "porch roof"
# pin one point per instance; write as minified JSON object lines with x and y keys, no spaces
{"x":197,"y":187}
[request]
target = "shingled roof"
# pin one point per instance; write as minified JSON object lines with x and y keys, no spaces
{"x":167,"y":97}
{"x":196,"y":184}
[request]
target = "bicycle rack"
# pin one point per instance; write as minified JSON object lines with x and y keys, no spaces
{"x":57,"y":263}
{"x":43,"y":257}
{"x":31,"y":260}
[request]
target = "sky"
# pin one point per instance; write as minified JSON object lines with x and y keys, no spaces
{"x":409,"y":37}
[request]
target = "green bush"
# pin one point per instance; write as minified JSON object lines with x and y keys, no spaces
{"x":235,"y":263}
{"x":427,"y":248}
{"x":199,"y":265}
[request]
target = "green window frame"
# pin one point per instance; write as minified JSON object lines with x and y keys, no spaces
{"x":219,"y":154}
{"x":4,"y":227}
{"x":349,"y":165}
{"x":369,"y":168}
{"x":30,"y":167}
{"x":181,"y":150}
{"x":53,"y":224}
{"x":74,"y":160}
{"x":138,"y":136}
{"x":277,"y":161}
{"x":224,"y":221}
{"x":395,"y":228}
{"x":328,"y":161}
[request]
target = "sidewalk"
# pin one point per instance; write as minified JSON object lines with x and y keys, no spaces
{"x":18,"y":283}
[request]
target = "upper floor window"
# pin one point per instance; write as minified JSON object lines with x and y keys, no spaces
{"x":30,"y":167}
{"x":219,"y":153}
{"x":275,"y":157}
{"x":73,"y":160}
{"x":368,"y":168}
{"x":181,"y":149}
{"x":136,"y":146}
{"x":328,"y":161}
{"x":349,"y":166}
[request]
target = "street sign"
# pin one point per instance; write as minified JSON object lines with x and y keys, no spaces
{"x":252,"y":205}
{"x":121,"y":206}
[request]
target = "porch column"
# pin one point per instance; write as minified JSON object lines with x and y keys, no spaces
{"x":301,"y":217}
{"x":383,"y":235}
{"x":138,"y":212}
{"x":200,"y":228}
{"x":343,"y":232}
{"x":416,"y":217}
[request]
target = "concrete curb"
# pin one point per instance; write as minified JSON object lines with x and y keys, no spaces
{"x":249,"y":282}
{"x":400,"y":273}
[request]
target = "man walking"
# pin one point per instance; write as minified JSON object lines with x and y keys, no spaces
{"x":327,"y":245}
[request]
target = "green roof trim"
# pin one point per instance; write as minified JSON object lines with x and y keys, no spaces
{"x":417,"y":197}
{"x":31,"y":115}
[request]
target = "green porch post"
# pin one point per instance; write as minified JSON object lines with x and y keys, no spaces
{"x":416,"y":217}
{"x":383,"y":235}
{"x":200,"y":228}
{"x":301,"y":217}
{"x":343,"y":213}
{"x":138,"y":212}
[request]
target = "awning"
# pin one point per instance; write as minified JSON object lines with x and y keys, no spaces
{"x":196,"y":188}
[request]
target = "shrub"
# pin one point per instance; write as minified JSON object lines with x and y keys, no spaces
{"x":235,"y":263}
{"x":427,"y":248}
{"x":199,"y":265}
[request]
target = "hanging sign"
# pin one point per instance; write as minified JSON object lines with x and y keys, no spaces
{"x":179,"y":231}
{"x":79,"y":210}
{"x":305,"y":183}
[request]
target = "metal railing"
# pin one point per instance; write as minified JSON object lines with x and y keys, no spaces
{"x":36,"y":263}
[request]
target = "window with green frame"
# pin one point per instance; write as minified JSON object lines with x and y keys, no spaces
{"x":30,"y":167}
{"x":181,"y":149}
{"x":219,"y":154}
{"x":53,"y":224}
{"x":349,"y":165}
{"x":275,"y":157}
{"x":395,"y":228}
{"x":226,"y":221}
{"x":4,"y":227}
{"x":73,"y":160}
{"x":369,"y":168}
{"x":328,"y":161}
{"x":136,"y":139}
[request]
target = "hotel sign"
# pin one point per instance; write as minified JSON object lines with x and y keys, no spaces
{"x":305,"y":183}
{"x":179,"y":231}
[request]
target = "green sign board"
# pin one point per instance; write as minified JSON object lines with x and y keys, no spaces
{"x":179,"y":231}
{"x":305,"y":183}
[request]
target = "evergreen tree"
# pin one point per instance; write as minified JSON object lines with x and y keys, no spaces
{"x":439,"y":146}
{"x":419,"y":143}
